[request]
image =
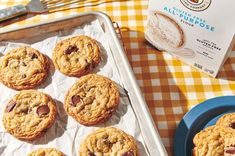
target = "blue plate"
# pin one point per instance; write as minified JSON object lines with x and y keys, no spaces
{"x":198,"y":118}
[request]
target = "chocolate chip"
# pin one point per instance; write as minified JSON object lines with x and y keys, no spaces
{"x":33,"y":55}
{"x":230,"y":151}
{"x":91,"y":154}
{"x":43,"y":110}
{"x":23,"y":76}
{"x":75,"y":100}
{"x":89,"y":46}
{"x":10,"y":106}
{"x":128,"y":153}
{"x":71,"y":49}
{"x":37,"y":71}
{"x":23,"y":64}
{"x":232,"y":125}
{"x":25,"y":110}
{"x":107,"y":143}
{"x":77,"y":60}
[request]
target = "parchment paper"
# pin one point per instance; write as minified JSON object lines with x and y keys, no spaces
{"x":66,"y":134}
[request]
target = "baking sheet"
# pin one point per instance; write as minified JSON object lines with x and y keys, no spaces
{"x":66,"y":134}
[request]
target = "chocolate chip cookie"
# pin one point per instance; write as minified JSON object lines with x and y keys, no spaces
{"x":29,"y":114}
{"x":23,"y":68}
{"x":92,"y":99}
{"x":218,"y":139}
{"x":76,"y":56}
{"x":209,"y":142}
{"x":228,"y":134}
{"x":46,"y":152}
{"x":108,"y":141}
{"x":227,"y":120}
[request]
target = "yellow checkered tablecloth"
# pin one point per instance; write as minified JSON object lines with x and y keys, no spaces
{"x":170,"y":87}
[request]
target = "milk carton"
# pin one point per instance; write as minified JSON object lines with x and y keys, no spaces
{"x":198,"y":32}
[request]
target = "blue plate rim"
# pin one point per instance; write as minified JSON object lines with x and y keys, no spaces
{"x":207,"y":105}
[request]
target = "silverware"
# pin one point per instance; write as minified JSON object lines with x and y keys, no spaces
{"x":45,"y":6}
{"x":35,"y":6}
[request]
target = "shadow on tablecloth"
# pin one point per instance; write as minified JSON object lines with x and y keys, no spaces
{"x":166,"y":101}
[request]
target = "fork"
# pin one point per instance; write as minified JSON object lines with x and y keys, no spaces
{"x":45,"y":6}
{"x":34,"y":6}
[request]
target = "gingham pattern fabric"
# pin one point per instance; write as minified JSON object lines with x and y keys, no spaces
{"x":171,"y":88}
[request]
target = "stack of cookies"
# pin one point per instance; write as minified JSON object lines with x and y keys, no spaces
{"x":90,"y":101}
{"x":217,"y":140}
